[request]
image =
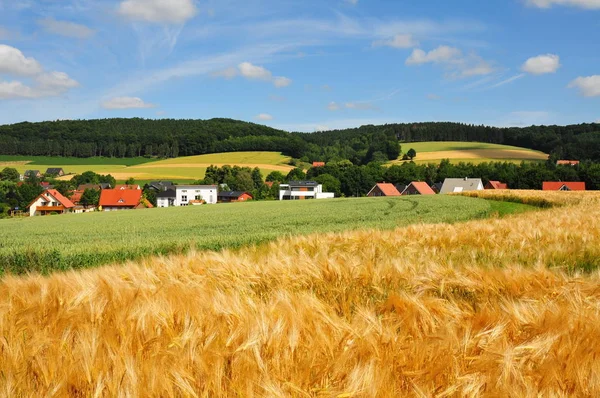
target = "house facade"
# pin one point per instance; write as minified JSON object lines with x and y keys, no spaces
{"x":50,"y":202}
{"x":563,"y":186}
{"x":184,"y":195}
{"x":418,"y":188}
{"x":233,"y":196}
{"x":301,"y":190}
{"x":383,"y":189}
{"x":455,"y":185}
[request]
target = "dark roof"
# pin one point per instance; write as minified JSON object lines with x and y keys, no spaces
{"x":54,"y":170}
{"x":400,"y":187}
{"x":160,"y":185}
{"x":34,"y":172}
{"x":231,"y":194}
{"x":169,"y":193}
{"x":303,"y":183}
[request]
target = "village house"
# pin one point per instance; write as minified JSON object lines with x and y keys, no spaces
{"x":122,"y":199}
{"x":99,"y":187}
{"x":318,"y":164}
{"x":496,"y":185}
{"x":454,"y":185}
{"x":563,"y":186}
{"x":184,"y":195}
{"x":32,"y":174}
{"x":233,"y":196}
{"x":418,"y":188}
{"x":50,"y":202}
{"x":160,"y":186}
{"x":567,"y":162}
{"x":383,"y":189}
{"x":300,"y":190}
{"x":55,"y":172}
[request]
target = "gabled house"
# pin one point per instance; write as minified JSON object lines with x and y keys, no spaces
{"x":454,"y":185}
{"x":122,"y":187}
{"x":166,"y":198}
{"x":233,"y":196}
{"x":32,"y":173}
{"x":55,"y":172}
{"x":567,"y":162}
{"x":76,"y":196}
{"x":318,"y":164}
{"x":496,"y":185}
{"x":563,"y":186}
{"x":418,"y":188}
{"x":184,"y":195}
{"x":301,"y":190}
{"x":122,"y":199}
{"x":50,"y":202}
{"x":383,"y":189}
{"x":436,"y":186}
{"x":160,"y":186}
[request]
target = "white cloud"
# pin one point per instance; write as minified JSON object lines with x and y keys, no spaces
{"x":398,"y":41}
{"x":126,"y":103}
{"x":158,"y":11}
{"x":589,"y":86}
{"x":254,"y":72}
{"x":453,"y":59}
{"x":228,"y":73}
{"x":263,"y":116}
{"x":333,"y":106}
{"x":12,"y":61}
{"x":548,"y":63}
{"x":589,"y":4}
{"x":14,"y":89}
{"x":56,"y":81}
{"x":281,"y":81}
{"x":439,"y":55}
{"x":65,"y":28}
{"x":47,"y":85}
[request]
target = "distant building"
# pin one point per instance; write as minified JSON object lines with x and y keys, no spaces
{"x":184,"y":195}
{"x":99,"y":187}
{"x":233,"y":196}
{"x":50,"y":202}
{"x":383,"y":189}
{"x":32,"y":174}
{"x":55,"y":172}
{"x":418,"y":188}
{"x":318,"y":164}
{"x":563,"y":186}
{"x":122,"y":199}
{"x":455,"y":185}
{"x":122,"y":187}
{"x":300,"y":190}
{"x":160,"y":186}
{"x":496,"y":185}
{"x":567,"y":162}
{"x":436,"y":186}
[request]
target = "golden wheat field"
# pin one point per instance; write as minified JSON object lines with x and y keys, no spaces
{"x":496,"y":307}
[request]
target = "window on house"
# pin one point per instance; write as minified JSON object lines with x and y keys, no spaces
{"x":184,"y":198}
{"x":198,"y":197}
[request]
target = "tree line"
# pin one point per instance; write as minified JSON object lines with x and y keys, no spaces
{"x":171,"y":138}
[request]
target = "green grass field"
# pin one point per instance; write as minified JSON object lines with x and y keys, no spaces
{"x":61,"y":242}
{"x":180,"y":169}
{"x":474,"y":152}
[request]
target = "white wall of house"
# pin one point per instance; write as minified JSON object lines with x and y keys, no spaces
{"x":186,"y":193}
{"x":163,"y":202}
{"x":294,"y":192}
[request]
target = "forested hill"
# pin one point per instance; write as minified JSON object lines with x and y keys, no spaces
{"x":171,"y":138}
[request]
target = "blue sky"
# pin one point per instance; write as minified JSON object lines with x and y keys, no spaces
{"x":302,"y":65}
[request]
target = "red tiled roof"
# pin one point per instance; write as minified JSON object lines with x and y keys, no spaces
{"x":318,"y":164}
{"x":567,"y":162}
{"x":498,"y":185}
{"x":76,"y":196}
{"x":53,"y":193}
{"x":422,"y":188}
{"x":555,"y":186}
{"x":269,"y":183}
{"x":120,"y":197}
{"x":387,"y":189}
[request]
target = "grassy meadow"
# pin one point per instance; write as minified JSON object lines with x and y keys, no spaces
{"x":186,"y":168}
{"x":490,"y":307}
{"x":60,"y":242}
{"x":474,"y":152}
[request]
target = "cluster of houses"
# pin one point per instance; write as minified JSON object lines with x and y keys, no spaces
{"x":50,"y":172}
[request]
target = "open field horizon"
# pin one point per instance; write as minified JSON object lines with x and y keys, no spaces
{"x":500,"y":307}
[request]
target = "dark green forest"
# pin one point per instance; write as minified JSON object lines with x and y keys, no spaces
{"x":171,"y":138}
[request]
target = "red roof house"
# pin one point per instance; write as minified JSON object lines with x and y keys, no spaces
{"x":318,"y":164}
{"x":567,"y":162}
{"x":122,"y":199}
{"x":495,"y":185}
{"x":563,"y":186}
{"x":50,"y":202}
{"x":418,"y":188}
{"x":383,"y":189}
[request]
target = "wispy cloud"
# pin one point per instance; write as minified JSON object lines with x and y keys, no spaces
{"x":126,"y":103}
{"x":66,"y":28}
{"x":509,"y":80}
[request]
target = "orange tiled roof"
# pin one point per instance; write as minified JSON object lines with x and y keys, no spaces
{"x":120,"y":197}
{"x":422,"y":188}
{"x":557,"y":185}
{"x":388,"y":189}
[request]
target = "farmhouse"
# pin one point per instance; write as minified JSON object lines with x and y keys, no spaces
{"x":452,"y":185}
{"x":300,"y":190}
{"x":233,"y":196}
{"x":183,"y":195}
{"x":55,"y":172}
{"x":496,"y":185}
{"x":383,"y":189}
{"x":50,"y":202}
{"x":567,"y":162}
{"x":32,"y":174}
{"x":418,"y":188}
{"x":122,"y":199}
{"x":563,"y":186}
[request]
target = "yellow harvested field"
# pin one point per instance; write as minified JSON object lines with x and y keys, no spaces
{"x":205,"y":165}
{"x":494,"y":307}
{"x":482,"y":153}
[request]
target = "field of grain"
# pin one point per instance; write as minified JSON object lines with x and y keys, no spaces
{"x":83,"y":240}
{"x":181,"y":169}
{"x":494,"y":307}
{"x":474,"y":152}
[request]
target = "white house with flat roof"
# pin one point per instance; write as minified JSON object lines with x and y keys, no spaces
{"x":184,"y":195}
{"x":300,"y":190}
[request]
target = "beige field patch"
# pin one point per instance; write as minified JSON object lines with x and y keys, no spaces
{"x":205,"y":165}
{"x":14,"y":163}
{"x":482,"y":153}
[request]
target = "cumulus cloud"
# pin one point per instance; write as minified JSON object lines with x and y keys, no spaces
{"x":12,"y":61}
{"x":589,"y":4}
{"x":15,"y":89}
{"x":281,"y":81}
{"x":250,"y":71}
{"x":65,"y":28}
{"x":126,"y":103}
{"x":253,"y":72}
{"x":263,"y":116}
{"x":588,"y":86}
{"x":398,"y":41}
{"x":56,"y":81}
{"x":333,"y":106}
{"x":453,"y":59}
{"x":158,"y":11}
{"x":542,"y":64}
